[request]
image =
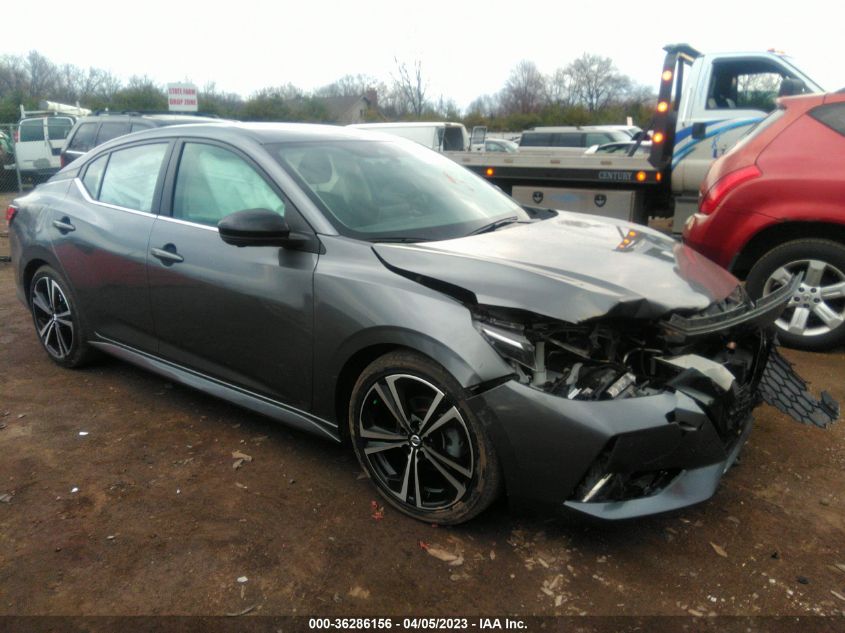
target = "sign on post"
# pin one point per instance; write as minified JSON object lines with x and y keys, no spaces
{"x":182,"y":97}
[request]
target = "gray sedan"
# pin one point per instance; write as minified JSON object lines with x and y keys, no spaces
{"x":375,"y":292}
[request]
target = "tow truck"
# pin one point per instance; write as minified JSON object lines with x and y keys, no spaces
{"x":705,"y":103}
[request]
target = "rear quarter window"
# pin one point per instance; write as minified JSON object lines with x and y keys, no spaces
{"x":832,"y":115}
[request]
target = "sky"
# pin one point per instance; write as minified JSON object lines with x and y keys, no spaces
{"x":466,"y":48}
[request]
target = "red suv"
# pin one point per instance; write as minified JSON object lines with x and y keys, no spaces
{"x":774,"y":206}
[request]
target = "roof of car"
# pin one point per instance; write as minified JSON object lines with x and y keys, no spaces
{"x":165,"y":117}
{"x":258,"y":132}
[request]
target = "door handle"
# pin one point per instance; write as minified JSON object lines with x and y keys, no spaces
{"x":167,"y":254}
{"x":64,"y":225}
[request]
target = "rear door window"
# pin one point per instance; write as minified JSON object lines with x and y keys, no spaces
{"x":83,"y":140}
{"x":568,"y":139}
{"x":131,"y":176}
{"x":31,"y":130}
{"x":536,"y":139}
{"x":58,"y":128}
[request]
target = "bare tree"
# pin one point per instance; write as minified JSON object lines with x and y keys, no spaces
{"x":560,"y":88}
{"x":13,"y":75}
{"x":351,"y":86}
{"x":596,"y":82}
{"x":524,"y":89}
{"x":410,"y":86}
{"x":485,"y":105}
{"x":42,"y":75}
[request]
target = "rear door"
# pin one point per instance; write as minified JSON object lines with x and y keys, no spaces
{"x":240,"y":315}
{"x":58,"y":128}
{"x":31,"y":148}
{"x":101,"y":236}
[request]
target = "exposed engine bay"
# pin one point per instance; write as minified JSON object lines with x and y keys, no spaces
{"x":607,"y":360}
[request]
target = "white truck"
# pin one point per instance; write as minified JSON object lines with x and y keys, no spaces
{"x":441,"y":136}
{"x":705,"y":103}
{"x":41,"y":136}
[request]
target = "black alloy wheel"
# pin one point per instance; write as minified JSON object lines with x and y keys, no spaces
{"x":419,"y":442}
{"x":56,"y":319}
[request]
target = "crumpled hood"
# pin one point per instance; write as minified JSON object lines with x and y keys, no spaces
{"x":570,"y":267}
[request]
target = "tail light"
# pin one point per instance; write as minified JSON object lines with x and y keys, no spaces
{"x":63,"y":160}
{"x":11,"y":211}
{"x":17,"y":135}
{"x":725,"y":184}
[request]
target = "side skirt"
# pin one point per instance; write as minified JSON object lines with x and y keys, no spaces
{"x":241,"y":397}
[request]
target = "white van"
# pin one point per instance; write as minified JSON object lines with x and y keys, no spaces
{"x":41,"y":138}
{"x":439,"y":136}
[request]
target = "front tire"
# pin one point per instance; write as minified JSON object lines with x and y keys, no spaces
{"x":58,"y":322}
{"x":814,"y":318}
{"x":419,"y":442}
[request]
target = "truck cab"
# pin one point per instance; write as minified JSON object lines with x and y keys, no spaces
{"x":722,"y":96}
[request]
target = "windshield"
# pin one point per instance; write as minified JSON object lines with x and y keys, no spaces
{"x":383,"y":190}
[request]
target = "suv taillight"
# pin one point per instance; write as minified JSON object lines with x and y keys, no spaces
{"x":11,"y":211}
{"x":63,"y":160}
{"x":718,"y":191}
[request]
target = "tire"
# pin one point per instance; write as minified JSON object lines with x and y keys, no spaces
{"x":59,"y":324}
{"x":431,"y":458}
{"x":814,"y":319}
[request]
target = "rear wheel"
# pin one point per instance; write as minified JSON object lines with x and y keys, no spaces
{"x":814,"y":318}
{"x":422,"y":446}
{"x":57,"y":320}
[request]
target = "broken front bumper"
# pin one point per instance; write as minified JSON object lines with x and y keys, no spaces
{"x":551,"y":448}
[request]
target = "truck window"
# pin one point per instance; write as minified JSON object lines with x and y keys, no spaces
{"x":745,"y":84}
{"x":58,"y":128}
{"x":31,"y":130}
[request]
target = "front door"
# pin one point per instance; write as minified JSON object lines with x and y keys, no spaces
{"x":240,"y":315}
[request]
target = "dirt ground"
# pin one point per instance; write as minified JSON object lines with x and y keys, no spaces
{"x":123,"y":500}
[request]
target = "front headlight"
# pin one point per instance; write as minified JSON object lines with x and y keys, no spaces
{"x":511,"y":344}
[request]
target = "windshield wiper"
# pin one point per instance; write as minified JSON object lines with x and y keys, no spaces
{"x":400,"y":240}
{"x":493,"y":226}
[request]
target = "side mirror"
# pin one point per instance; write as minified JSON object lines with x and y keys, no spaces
{"x":257,"y":227}
{"x":699,"y":131}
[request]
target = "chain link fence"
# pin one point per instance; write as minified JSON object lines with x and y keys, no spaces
{"x":10,"y":175}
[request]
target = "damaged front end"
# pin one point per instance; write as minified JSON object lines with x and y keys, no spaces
{"x":670,"y":400}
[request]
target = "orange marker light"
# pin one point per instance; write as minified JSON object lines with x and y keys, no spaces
{"x":659,"y":176}
{"x":640,"y":176}
{"x":663,"y":106}
{"x":667,"y":75}
{"x":489,"y":171}
{"x":657,"y":137}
